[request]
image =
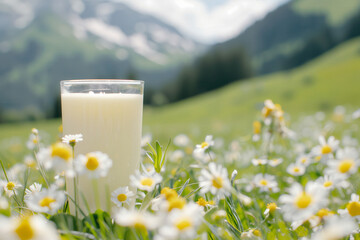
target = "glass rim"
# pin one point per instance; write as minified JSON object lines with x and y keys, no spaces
{"x":102,"y":81}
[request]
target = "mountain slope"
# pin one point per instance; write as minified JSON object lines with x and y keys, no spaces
{"x":288,"y":29}
{"x":328,"y":81}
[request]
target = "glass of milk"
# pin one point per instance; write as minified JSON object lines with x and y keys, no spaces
{"x":109,"y":115}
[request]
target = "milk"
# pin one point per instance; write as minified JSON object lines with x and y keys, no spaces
{"x":110,"y":123}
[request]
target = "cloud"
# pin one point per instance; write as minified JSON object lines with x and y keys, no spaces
{"x":204,"y":23}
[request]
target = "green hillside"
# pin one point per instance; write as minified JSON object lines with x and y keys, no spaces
{"x":320,"y":85}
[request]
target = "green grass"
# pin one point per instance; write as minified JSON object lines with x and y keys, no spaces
{"x":320,"y":85}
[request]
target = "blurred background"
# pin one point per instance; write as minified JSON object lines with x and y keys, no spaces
{"x":208,"y":65}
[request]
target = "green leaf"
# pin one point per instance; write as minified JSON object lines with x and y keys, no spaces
{"x":183,"y":187}
{"x":67,"y":222}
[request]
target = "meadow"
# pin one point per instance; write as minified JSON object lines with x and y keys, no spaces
{"x":245,"y":167}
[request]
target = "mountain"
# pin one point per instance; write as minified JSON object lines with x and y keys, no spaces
{"x":44,"y":41}
{"x":292,"y":29}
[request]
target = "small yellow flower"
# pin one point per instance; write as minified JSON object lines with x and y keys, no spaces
{"x":202,"y":202}
{"x":169,"y":193}
{"x":324,"y":212}
{"x":272,"y":207}
{"x":176,"y":202}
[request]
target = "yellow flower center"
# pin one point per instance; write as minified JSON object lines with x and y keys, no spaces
{"x":217,"y":182}
{"x":257,"y":233}
{"x":121,"y":197}
{"x":176,"y":202}
{"x":46,"y":201}
{"x":353,"y":208}
{"x":263,"y":182}
{"x":168,"y":193}
{"x":204,"y":145}
{"x":202,"y":202}
{"x":35,"y":141}
{"x":318,"y":158}
{"x":147,"y":182}
{"x":92,"y":163}
{"x":272,"y":207}
{"x":303,"y":201}
{"x":24,"y":229}
{"x":328,"y":184}
{"x":139,"y":225}
{"x":326,"y":149}
{"x":61,"y":150}
{"x":257,"y":127}
{"x":345,"y":165}
{"x":10,"y":186}
{"x":303,"y":160}
{"x":324,"y":213}
{"x":266,"y":111}
{"x":296,"y":169}
{"x":183,"y":223}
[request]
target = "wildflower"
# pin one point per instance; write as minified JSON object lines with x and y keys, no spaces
{"x":329,"y":182}
{"x":346,"y":163}
{"x":34,"y":140}
{"x":271,"y":208}
{"x":30,"y":162}
{"x":326,"y":148}
{"x":33,"y":188}
{"x":300,"y":204}
{"x":203,"y":156}
{"x":324,"y":212}
{"x":46,"y":201}
{"x":219,"y":215}
{"x":34,"y":227}
{"x":356,"y":114}
{"x":176,"y":203}
{"x":181,"y":140}
{"x":215,"y":180}
{"x":265,"y":182}
{"x":141,"y":221}
{"x":177,"y":155}
{"x":94,"y":164}
{"x":146,"y":139}
{"x":206,"y":144}
{"x":145,"y":181}
{"x":58,"y":157}
{"x":259,"y":162}
{"x":122,"y":195}
{"x":251,"y":234}
{"x":168,"y":193}
{"x":203,"y":203}
{"x":182,"y":224}
{"x":295,"y":169}
{"x":335,"y":228}
{"x":352,"y":208}
{"x":275,"y":162}
{"x":72,"y":139}
{"x":10,"y":187}
{"x":303,"y":160}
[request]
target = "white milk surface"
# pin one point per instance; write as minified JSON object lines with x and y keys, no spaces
{"x":110,"y":123}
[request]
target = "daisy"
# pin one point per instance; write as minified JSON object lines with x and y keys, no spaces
{"x":206,"y":144}
{"x":215,"y":180}
{"x":203,"y":156}
{"x":145,"y":181}
{"x":72,"y":139}
{"x":259,"y":161}
{"x":275,"y":162}
{"x":177,"y":155}
{"x":300,"y":204}
{"x":327,"y":148}
{"x":30,"y":162}
{"x":10,"y":187}
{"x":58,"y":157}
{"x":352,"y":208}
{"x":182,"y":224}
{"x":33,"y":142}
{"x":268,"y":108}
{"x":295,"y":169}
{"x":335,"y":228}
{"x":271,"y":209}
{"x":265,"y":182}
{"x":94,"y":164}
{"x":329,"y":182}
{"x":33,"y":188}
{"x":138,"y":220}
{"x":346,"y":163}
{"x":122,"y":195}
{"x":181,"y":140}
{"x":356,"y":114}
{"x":35,"y":227}
{"x":303,"y":160}
{"x":46,"y":201}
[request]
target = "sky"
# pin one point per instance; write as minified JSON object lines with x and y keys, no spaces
{"x":207,"y":21}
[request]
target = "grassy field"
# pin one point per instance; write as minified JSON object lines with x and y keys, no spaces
{"x":320,"y":85}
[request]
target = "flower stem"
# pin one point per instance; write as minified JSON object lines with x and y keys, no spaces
{"x":75,"y":182}
{"x":96,"y":193}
